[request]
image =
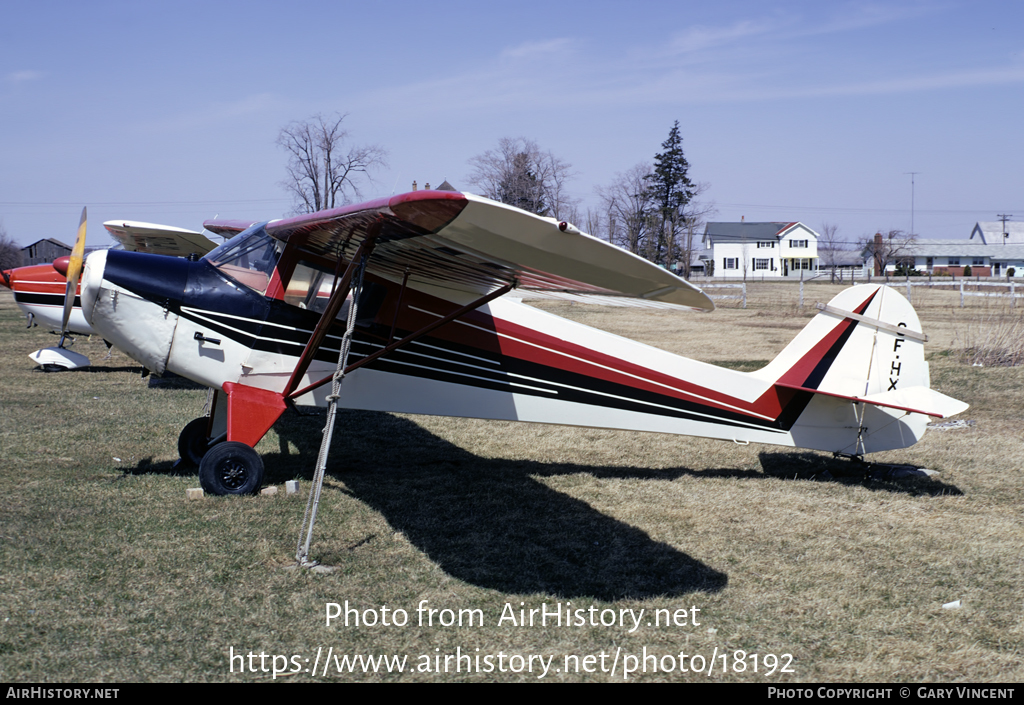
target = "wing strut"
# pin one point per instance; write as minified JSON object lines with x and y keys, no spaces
{"x":309,"y":518}
{"x":409,"y":338}
{"x":398,"y":306}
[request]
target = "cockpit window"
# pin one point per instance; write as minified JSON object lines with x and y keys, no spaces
{"x":249,"y":257}
{"x":310,"y":287}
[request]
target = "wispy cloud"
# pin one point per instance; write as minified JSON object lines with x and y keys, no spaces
{"x":534,"y":50}
{"x":215,"y":112}
{"x":778,"y":56}
{"x":938,"y":81}
{"x":857,"y":16}
{"x":23,"y":76}
{"x":702,"y":38}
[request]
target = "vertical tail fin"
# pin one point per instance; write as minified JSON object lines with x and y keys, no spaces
{"x":864,"y":347}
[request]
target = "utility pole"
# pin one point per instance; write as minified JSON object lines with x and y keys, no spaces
{"x":912,"y":175}
{"x":1004,"y":218}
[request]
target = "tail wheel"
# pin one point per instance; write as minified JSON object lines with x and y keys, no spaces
{"x":193,"y":442}
{"x":231,"y":468}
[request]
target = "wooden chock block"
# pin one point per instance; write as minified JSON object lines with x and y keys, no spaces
{"x":194,"y":493}
{"x":268,"y":491}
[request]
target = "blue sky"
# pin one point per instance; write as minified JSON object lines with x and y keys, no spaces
{"x":810,"y":111}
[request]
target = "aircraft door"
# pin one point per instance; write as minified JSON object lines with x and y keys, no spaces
{"x":221,"y":320}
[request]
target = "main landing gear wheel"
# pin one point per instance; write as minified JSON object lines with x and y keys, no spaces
{"x":231,"y":468}
{"x":193,"y":442}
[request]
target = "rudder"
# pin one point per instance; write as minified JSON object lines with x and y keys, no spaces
{"x":863,"y":359}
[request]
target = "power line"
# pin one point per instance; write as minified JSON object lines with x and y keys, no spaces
{"x":834,"y":209}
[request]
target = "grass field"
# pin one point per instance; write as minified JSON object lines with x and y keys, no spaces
{"x":108,"y":573}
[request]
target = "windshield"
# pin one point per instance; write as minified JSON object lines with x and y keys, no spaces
{"x":249,"y":257}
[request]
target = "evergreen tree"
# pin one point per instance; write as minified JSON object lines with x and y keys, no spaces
{"x":670,"y":190}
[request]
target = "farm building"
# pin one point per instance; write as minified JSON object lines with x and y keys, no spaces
{"x":954,"y":257}
{"x":998,"y":233}
{"x":43,"y":251}
{"x":848,"y":265}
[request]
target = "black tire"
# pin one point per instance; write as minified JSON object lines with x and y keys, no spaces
{"x":193,"y":441}
{"x":231,"y":468}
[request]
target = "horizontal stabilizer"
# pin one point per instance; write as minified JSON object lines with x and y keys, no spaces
{"x":916,"y":400}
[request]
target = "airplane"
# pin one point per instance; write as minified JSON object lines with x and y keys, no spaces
{"x":426,"y":292}
{"x":40,"y":289}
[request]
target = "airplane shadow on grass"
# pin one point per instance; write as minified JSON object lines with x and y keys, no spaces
{"x":491,"y":523}
{"x":904,"y":479}
{"x":91,"y":369}
{"x":488,"y":521}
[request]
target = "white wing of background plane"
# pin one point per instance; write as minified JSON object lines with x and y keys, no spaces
{"x":158,"y":239}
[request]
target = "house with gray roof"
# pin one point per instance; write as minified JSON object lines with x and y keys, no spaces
{"x":761,"y":250}
{"x":953,"y":257}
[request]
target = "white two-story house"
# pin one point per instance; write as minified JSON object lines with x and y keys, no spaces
{"x":760,"y":250}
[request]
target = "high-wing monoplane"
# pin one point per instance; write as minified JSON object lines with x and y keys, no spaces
{"x":414,"y":301}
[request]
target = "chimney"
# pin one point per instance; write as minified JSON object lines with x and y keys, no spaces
{"x":426,"y":185}
{"x":413,"y":185}
{"x":878,"y":255}
{"x":743,"y":218}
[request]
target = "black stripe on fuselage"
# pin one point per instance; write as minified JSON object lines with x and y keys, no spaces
{"x":32,"y":298}
{"x":443,"y":360}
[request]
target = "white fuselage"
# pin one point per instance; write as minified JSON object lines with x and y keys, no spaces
{"x":507,"y":361}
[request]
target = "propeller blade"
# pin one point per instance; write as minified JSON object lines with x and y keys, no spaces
{"x":74,"y":272}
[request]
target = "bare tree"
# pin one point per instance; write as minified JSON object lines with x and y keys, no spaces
{"x":745,"y":258}
{"x":638,"y":224}
{"x":889,"y":248}
{"x":831,"y":248}
{"x":323,"y":172}
{"x":591,"y":222}
{"x":10,"y":251}
{"x":627,"y":201}
{"x":520,"y":174}
{"x":686,"y":231}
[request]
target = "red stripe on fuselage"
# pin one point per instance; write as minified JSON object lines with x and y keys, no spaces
{"x":527,"y":344}
{"x":501,"y":337}
{"x":496,"y":336}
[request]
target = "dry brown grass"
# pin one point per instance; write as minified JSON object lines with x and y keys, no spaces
{"x":108,"y":574}
{"x":993,"y":339}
